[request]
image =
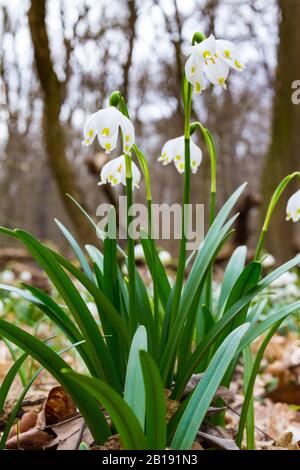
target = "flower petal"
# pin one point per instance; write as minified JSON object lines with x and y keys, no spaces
{"x":196,"y":157}
{"x":205,"y":49}
{"x":216,"y":71}
{"x":127,"y":134}
{"x":108,"y":143}
{"x":293,"y":207}
{"x":228,"y":52}
{"x":194,"y":73}
{"x":114,"y":172}
{"x":173,"y":150}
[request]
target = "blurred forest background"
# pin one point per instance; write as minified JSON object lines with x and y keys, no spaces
{"x":61,"y":59}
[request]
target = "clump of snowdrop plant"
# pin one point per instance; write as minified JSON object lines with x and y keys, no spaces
{"x":136,"y":343}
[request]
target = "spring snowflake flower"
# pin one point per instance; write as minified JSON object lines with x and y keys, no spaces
{"x":173,"y":151}
{"x":293,"y":207}
{"x":105,"y":124}
{"x":212,"y":59}
{"x":114,"y":172}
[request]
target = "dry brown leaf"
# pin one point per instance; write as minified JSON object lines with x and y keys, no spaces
{"x":27,"y":422}
{"x":69,"y":433}
{"x":57,"y":406}
{"x":289,"y":393}
{"x":31,"y":439}
{"x":218,"y":442}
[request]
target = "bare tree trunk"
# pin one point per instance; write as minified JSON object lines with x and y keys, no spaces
{"x":283,"y":155}
{"x":54,"y":137}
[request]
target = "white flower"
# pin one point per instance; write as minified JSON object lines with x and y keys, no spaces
{"x":139,"y":252}
{"x":8,"y":276}
{"x":25,"y":276}
{"x":114,"y":172}
{"x":165,"y":257}
{"x":268,"y":261}
{"x":105,"y":124}
{"x":173,"y":151}
{"x":211,"y":58}
{"x":293,"y":207}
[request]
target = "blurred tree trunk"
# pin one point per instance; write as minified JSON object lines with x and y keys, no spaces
{"x":283,"y":154}
{"x":54,"y":137}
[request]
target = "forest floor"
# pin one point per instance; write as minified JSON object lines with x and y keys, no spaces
{"x":49,"y":420}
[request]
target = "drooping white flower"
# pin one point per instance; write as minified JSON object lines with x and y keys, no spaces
{"x":194,"y":73}
{"x":228,"y":53}
{"x":105,"y":124}
{"x":173,"y":151}
{"x":293,"y":207}
{"x":211,"y":59}
{"x":114,"y":172}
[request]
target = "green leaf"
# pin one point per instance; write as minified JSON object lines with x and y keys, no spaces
{"x":110,"y":266}
{"x":9,"y":378}
{"x":214,"y":333}
{"x":121,"y":415}
{"x":77,"y":250}
{"x":250,"y":384}
{"x":54,"y":364}
{"x":103,"y":304}
{"x":145,"y":316}
{"x":13,"y":414}
{"x":246,"y":281}
{"x":134,"y":392}
{"x":156,"y":424}
{"x":204,"y":392}
{"x":63,"y":322}
{"x":233,"y":270}
{"x":102,"y":360}
{"x":191,"y":294}
{"x":93,"y":224}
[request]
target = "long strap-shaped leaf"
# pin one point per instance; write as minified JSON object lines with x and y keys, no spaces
{"x":134,"y":391}
{"x":76,"y":248}
{"x":214,"y":333}
{"x":54,"y":364}
{"x":88,"y":326}
{"x":122,"y":416}
{"x":190,"y":294}
{"x":204,"y":392}
{"x":53,"y":311}
{"x":156,"y":424}
{"x":9,"y":378}
{"x":233,"y":270}
{"x":250,"y":385}
{"x":13,"y":414}
{"x":102,"y":302}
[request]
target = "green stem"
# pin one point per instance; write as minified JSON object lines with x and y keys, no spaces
{"x":145,"y":169}
{"x":273,"y":202}
{"x":186,"y":199}
{"x":213,"y":190}
{"x":251,"y":381}
{"x":250,"y":430}
{"x":131,"y":260}
{"x":117,"y":99}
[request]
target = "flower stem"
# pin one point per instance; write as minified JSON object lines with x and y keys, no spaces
{"x":117,"y":99}
{"x":131,"y":261}
{"x":273,"y":202}
{"x":145,"y":169}
{"x":187,"y":98}
{"x":213,"y":190}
